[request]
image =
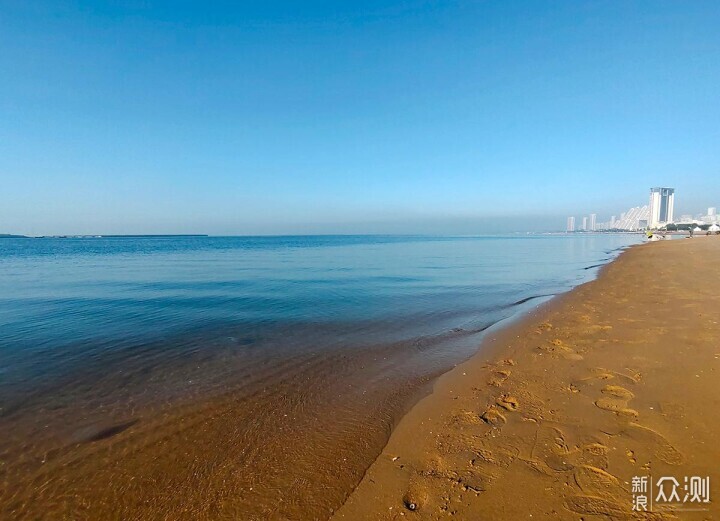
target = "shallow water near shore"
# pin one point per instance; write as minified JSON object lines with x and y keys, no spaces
{"x":224,"y":377}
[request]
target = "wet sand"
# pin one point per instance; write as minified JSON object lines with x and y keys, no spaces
{"x":288,"y":441}
{"x":556,"y":414}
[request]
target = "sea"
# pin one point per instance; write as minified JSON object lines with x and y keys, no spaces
{"x":292,"y":358}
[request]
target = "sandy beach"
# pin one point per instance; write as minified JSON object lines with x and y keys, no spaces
{"x":557,"y":414}
{"x":251,"y":419}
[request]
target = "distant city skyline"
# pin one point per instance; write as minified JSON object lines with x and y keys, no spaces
{"x":409,"y":116}
{"x":659,"y":212}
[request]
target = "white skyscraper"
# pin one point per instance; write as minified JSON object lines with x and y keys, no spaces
{"x":612,"y":222}
{"x":662,"y":201}
{"x":571,"y":224}
{"x":593,"y":221}
{"x":584,"y":224}
{"x":634,"y":219}
{"x":711,"y":217}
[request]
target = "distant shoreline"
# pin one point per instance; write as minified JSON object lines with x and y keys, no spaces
{"x":191,"y":235}
{"x":150,"y":236}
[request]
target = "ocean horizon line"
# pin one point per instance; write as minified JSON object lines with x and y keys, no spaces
{"x":280,"y":235}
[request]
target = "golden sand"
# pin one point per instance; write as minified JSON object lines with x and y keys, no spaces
{"x":556,"y":415}
{"x":551,"y":420}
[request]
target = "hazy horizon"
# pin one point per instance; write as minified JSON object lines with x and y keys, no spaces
{"x":460,"y":226}
{"x":414,"y":117}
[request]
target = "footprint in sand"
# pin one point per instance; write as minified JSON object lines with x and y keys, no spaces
{"x":550,"y":451}
{"x":594,"y":481}
{"x":493,"y":416}
{"x":631,"y":456}
{"x":560,"y":349}
{"x":473,"y":482}
{"x":660,"y":446}
{"x":551,"y":454}
{"x":497,"y":452}
{"x":606,"y":374}
{"x":615,"y":399}
{"x":489,"y":457}
{"x":593,"y":454}
{"x":509,"y":403}
{"x":498,"y":377}
{"x":613,"y":508}
{"x":597,"y":506}
{"x":463,"y":418}
{"x":602,"y":494}
{"x":618,"y":392}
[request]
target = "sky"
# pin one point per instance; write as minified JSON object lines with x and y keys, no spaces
{"x":415,"y":116}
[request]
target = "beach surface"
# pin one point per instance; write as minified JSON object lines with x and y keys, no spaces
{"x":247,"y":378}
{"x":558,"y":413}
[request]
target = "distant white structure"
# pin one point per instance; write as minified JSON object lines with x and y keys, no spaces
{"x":584,"y":224}
{"x":633,"y":220}
{"x":612,"y":222}
{"x":593,"y":221}
{"x":571,"y":224}
{"x":662,"y":202}
{"x":711,"y":217}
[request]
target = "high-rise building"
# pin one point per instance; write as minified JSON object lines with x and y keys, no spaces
{"x":571,"y":224}
{"x":612,"y":222}
{"x":593,"y":221}
{"x":634,"y":219}
{"x":584,"y":224}
{"x":711,"y":217}
{"x":662,"y":201}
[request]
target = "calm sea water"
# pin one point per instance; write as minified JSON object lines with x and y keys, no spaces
{"x":238,"y":378}
{"x":69,"y":303}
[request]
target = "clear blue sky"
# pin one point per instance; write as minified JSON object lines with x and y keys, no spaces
{"x":333,"y":116}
